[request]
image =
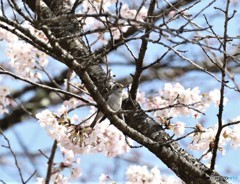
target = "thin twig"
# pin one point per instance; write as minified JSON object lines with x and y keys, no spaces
{"x":13,"y":154}
{"x":50,"y":163}
{"x":222,"y":89}
{"x":3,"y":71}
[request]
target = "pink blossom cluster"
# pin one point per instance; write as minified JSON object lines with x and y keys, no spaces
{"x":174,"y":101}
{"x":174,"y":97}
{"x":70,"y":162}
{"x":178,"y":128}
{"x":108,"y":6}
{"x":103,"y":138}
{"x":7,"y":36}
{"x":136,"y":174}
{"x":214,"y":97}
{"x":81,"y":138}
{"x":25,"y":58}
{"x":72,"y":103}
{"x":233,"y":134}
{"x":205,"y":137}
{"x":204,"y":140}
{"x":57,"y":178}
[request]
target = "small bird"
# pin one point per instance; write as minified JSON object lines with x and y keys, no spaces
{"x":114,"y":100}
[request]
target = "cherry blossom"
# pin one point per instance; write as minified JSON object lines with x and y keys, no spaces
{"x":205,"y":140}
{"x":174,"y":101}
{"x":70,"y":162}
{"x":179,"y":128}
{"x":138,"y":174}
{"x":172,"y":13}
{"x":180,"y":100}
{"x":108,"y":6}
{"x":7,"y":36}
{"x":40,"y":180}
{"x":233,"y":134}
{"x":141,"y":174}
{"x":24,"y":58}
{"x":103,"y":179}
{"x":201,"y":140}
{"x":103,"y":138}
{"x":214,"y":97}
{"x":83,"y":139}
{"x":59,"y":178}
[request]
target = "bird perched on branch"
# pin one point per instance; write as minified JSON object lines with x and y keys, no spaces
{"x":113,"y":99}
